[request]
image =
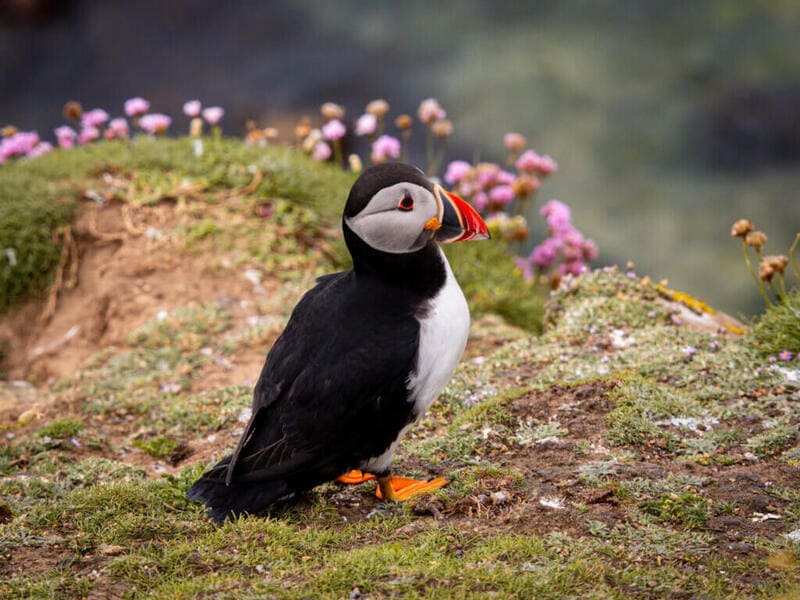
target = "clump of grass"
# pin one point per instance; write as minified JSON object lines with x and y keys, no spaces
{"x":778,"y":329}
{"x":188,"y":328}
{"x":157,"y":447}
{"x":687,"y":509}
{"x":772,"y":440}
{"x":61,"y":429}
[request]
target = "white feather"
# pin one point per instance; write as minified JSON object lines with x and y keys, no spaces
{"x":443,"y":333}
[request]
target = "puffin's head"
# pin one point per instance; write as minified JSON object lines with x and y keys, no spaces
{"x":394,"y":208}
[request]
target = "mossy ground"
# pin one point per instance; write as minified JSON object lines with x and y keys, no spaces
{"x":619,"y":454}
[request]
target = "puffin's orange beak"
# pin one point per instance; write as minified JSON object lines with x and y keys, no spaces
{"x":459,"y":221}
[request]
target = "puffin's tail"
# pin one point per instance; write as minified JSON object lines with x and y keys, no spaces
{"x":228,"y":501}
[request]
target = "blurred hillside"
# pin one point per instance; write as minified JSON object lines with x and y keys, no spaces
{"x":669,"y":120}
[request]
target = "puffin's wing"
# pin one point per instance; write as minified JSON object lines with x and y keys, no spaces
{"x":332,"y":391}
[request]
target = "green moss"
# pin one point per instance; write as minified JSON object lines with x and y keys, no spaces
{"x":157,"y":447}
{"x":61,"y":429}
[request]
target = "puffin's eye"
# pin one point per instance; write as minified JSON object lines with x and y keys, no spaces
{"x":406,"y":203}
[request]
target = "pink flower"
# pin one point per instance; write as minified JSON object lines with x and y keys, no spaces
{"x":528,"y":162}
{"x":558,"y":216}
{"x":524,"y":266}
{"x":480,"y":201}
{"x":547,"y":166}
{"x":20,"y":143}
{"x":590,"y":250}
{"x":545,"y":253}
{"x":785,"y":355}
{"x":94,"y":118}
{"x":572,"y":267}
{"x":456,"y":171}
{"x":117,"y":128}
{"x":213,"y":114}
{"x":333,"y":130}
{"x":155,"y":123}
{"x":40,"y":149}
{"x":192,"y":108}
{"x":65,"y":135}
{"x":321,"y":151}
{"x":506,"y":178}
{"x":514,"y":142}
{"x":501,"y":194}
{"x":385,"y":148}
{"x":487,"y":176}
{"x":88,"y":134}
{"x":430,"y":111}
{"x":136,"y":106}
{"x":366,"y":124}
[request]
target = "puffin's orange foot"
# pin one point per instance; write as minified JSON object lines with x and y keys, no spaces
{"x":355,"y":477}
{"x":400,"y":489}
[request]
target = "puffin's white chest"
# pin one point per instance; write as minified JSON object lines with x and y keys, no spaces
{"x":443,"y":333}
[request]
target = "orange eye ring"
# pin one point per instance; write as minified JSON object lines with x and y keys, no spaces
{"x":406,"y":203}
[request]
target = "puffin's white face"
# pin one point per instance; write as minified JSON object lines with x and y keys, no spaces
{"x":398,"y":219}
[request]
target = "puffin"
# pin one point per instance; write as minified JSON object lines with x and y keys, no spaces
{"x":363,"y":356}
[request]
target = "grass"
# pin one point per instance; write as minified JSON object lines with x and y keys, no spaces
{"x":778,"y":329}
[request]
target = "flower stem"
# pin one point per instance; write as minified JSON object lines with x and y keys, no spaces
{"x":792,"y":260}
{"x":784,"y":295}
{"x":758,"y":281}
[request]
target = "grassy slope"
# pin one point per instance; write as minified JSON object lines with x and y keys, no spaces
{"x":580,"y":415}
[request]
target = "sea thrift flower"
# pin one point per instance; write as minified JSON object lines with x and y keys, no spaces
{"x":155,"y":123}
{"x":88,"y":134}
{"x":321,"y":151}
{"x":213,"y":114}
{"x":384,"y":148}
{"x":785,"y":355}
{"x":192,"y":108}
{"x":377,"y":108}
{"x":741,"y":228}
{"x":430,"y":111}
{"x":777,"y":263}
{"x":331,"y":110}
{"x":40,"y":149}
{"x":73,"y":111}
{"x":442,"y":129}
{"x":480,"y":201}
{"x":756,"y":239}
{"x":501,"y":194}
{"x":94,"y":118}
{"x":456,"y":171}
{"x":117,"y":128}
{"x":772,"y":359}
{"x":333,"y":130}
{"x":135,"y":107}
{"x":714,"y":344}
{"x":19,"y":144}
{"x":574,"y":267}
{"x":590,"y":250}
{"x":525,"y":185}
{"x":547,"y":166}
{"x":528,"y":162}
{"x":689,"y":350}
{"x":65,"y":136}
{"x":544,"y":255}
{"x":557,"y":214}
{"x":514,"y":142}
{"x":403,"y":122}
{"x":366,"y":124}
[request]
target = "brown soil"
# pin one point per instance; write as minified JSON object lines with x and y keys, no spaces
{"x":121,"y":283}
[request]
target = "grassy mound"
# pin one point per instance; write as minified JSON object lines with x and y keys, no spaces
{"x":38,"y":196}
{"x":778,"y":329}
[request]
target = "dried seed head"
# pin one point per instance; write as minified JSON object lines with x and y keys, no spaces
{"x":526,"y":185}
{"x":765,"y":271}
{"x":270,"y":133}
{"x":314,"y":136}
{"x":303,"y":128}
{"x":442,"y":129}
{"x":379,"y":108}
{"x":756,"y":239}
{"x":250,"y":125}
{"x":403,"y":122}
{"x":196,"y":127}
{"x":777,"y":263}
{"x":331,"y":111}
{"x":8,"y":131}
{"x":515,"y":142}
{"x":73,"y":111}
{"x":741,"y":228}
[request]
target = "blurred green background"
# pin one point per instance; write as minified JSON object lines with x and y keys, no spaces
{"x":669,"y":120}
